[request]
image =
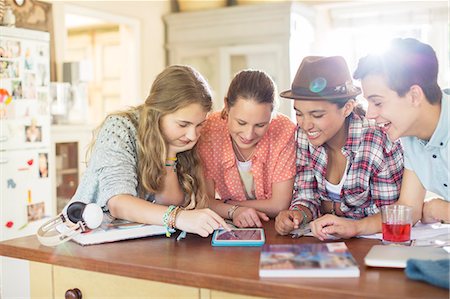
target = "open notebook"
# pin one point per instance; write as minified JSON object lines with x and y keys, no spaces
{"x":112,"y":230}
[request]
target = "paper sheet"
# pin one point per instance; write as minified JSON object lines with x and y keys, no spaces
{"x":434,"y":234}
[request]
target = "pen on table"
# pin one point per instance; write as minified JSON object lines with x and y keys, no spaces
{"x":182,"y":235}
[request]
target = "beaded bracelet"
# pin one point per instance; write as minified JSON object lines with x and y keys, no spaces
{"x":173,"y":216}
{"x":166,"y":219}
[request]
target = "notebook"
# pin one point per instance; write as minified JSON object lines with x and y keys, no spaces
{"x":393,"y":256}
{"x":112,"y":230}
{"x":307,"y":260}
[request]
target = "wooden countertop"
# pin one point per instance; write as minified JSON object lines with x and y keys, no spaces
{"x":194,"y":262}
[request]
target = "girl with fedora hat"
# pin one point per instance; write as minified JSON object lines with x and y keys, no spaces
{"x":248,"y":153}
{"x":346,"y":166}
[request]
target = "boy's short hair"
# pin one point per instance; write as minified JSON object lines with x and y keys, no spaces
{"x":407,"y":62}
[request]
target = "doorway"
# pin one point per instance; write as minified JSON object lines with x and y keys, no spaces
{"x":106,"y":45}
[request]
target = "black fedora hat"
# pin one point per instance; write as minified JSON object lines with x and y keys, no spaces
{"x":322,"y":78}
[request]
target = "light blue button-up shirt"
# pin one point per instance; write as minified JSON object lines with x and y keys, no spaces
{"x":429,"y":160}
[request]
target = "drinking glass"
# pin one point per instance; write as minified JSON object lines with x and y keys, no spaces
{"x":396,"y":224}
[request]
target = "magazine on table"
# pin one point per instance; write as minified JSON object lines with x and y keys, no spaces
{"x":307,"y":260}
{"x":112,"y":230}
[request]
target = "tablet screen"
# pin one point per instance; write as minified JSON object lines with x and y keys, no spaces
{"x":240,"y":234}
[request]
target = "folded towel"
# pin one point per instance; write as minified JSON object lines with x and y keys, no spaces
{"x":434,"y":272}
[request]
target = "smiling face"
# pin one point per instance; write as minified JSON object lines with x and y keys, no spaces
{"x":181,"y":129}
{"x":248,"y":121}
{"x":394,"y":114}
{"x":323,"y":121}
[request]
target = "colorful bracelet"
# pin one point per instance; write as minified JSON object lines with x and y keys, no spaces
{"x":166,"y":219}
{"x":174,"y":165}
{"x":173,"y":216}
{"x":172,"y":159}
{"x":304,"y":216}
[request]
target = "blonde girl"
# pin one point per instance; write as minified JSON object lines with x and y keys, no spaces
{"x":144,"y":165}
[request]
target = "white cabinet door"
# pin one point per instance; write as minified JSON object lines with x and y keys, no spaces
{"x":219,"y":65}
{"x":268,"y":57}
{"x":206,"y":62}
{"x":273,"y":37}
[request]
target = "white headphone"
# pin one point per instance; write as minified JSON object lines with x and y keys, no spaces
{"x":78,"y":215}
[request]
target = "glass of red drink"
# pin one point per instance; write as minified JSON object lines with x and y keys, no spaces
{"x":397,"y":222}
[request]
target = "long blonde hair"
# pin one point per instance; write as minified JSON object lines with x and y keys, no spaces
{"x":176,"y":87}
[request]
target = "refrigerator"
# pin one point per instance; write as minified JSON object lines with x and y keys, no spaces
{"x":26,"y":197}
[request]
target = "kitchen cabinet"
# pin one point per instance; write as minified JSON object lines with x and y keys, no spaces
{"x":49,"y":281}
{"x":191,"y":268}
{"x":69,"y":146}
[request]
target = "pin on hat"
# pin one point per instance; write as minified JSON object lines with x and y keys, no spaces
{"x":322,"y":78}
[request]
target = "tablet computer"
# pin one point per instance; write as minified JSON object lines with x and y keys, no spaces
{"x":239,"y":237}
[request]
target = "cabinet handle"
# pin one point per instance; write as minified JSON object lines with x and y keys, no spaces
{"x":73,"y":294}
{"x":4,"y":161}
{"x":3,"y":138}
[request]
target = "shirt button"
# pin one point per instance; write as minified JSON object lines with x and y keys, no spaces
{"x":442,"y":143}
{"x":445,"y":185}
{"x":434,"y":156}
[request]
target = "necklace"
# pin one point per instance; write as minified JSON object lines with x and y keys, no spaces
{"x":240,"y":156}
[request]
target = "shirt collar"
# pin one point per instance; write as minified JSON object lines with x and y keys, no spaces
{"x":354,"y":133}
{"x":230,"y":157}
{"x":228,"y":153}
{"x":440,"y":135}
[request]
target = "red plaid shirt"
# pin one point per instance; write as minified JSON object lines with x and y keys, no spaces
{"x":374,"y":174}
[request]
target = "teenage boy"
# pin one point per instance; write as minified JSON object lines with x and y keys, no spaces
{"x":406,"y":101}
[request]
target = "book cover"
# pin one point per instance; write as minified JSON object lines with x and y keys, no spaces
{"x":307,"y":260}
{"x":112,"y":230}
